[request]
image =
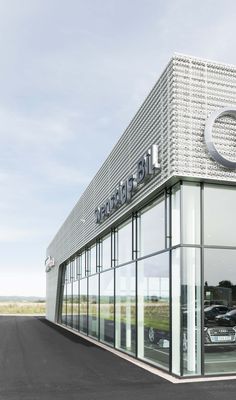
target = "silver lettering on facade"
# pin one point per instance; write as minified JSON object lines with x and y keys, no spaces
{"x":146,"y":168}
{"x":223,"y":112}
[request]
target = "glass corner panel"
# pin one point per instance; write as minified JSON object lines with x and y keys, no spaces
{"x":191,"y":215}
{"x":175,"y":215}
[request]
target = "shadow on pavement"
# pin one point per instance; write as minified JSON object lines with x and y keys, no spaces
{"x":69,"y":335}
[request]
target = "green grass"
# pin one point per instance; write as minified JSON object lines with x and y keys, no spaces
{"x":22,"y":308}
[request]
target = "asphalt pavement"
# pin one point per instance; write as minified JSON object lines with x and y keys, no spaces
{"x":40,"y":361}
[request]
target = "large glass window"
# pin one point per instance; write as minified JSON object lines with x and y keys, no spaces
{"x":83,"y":306}
{"x":153,"y":309}
{"x":126,"y":308}
{"x":107,"y":306}
{"x":219,"y":215}
{"x":75,"y":305}
{"x":124,"y":242}
{"x":151,"y":228}
{"x":93,"y":306}
{"x":106,"y":252}
{"x":220,"y":311}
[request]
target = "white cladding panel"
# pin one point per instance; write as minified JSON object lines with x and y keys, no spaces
{"x":172,"y":116}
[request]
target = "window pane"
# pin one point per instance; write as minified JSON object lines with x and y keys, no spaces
{"x":106,"y":252}
{"x":69,"y":304}
{"x":191,"y":213}
{"x":153,"y":309}
{"x":75,"y":304}
{"x":72,"y":270}
{"x":220,"y":311}
{"x":64,"y":300}
{"x":82,"y":265}
{"x":175,"y":215}
{"x":93,"y":306}
{"x":176,"y":306}
{"x":219,"y":215}
{"x":93,"y":260}
{"x":78,"y":267}
{"x":151,"y":226}
{"x":191,"y":311}
{"x":107,"y":306}
{"x":126,"y":308}
{"x":124,"y":242}
{"x":83,"y":305}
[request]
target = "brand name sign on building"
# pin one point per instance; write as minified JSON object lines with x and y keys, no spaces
{"x":147,"y":166}
{"x":215,"y":154}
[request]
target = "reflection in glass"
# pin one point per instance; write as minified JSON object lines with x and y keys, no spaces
{"x":153,"y":309}
{"x":219,"y":311}
{"x":75,"y":305}
{"x":93,"y":306}
{"x":151,"y":228}
{"x":219,"y":215}
{"x":191,"y":311}
{"x":124,"y":242}
{"x":107,"y":306}
{"x":69,"y":305}
{"x":64,"y":303}
{"x":83,"y":306}
{"x":176,"y":306}
{"x":78,"y":267}
{"x":125,"y":308}
{"x":106,"y":252}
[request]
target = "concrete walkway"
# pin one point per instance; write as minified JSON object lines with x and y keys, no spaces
{"x":39,"y":361}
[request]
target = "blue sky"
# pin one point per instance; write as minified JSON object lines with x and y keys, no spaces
{"x":72,"y":75}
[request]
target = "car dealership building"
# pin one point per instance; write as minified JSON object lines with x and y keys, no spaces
{"x":146,"y":261}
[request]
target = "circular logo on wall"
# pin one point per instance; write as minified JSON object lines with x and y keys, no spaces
{"x":215,"y":154}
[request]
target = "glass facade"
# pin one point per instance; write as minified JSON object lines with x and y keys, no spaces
{"x":161,"y":286}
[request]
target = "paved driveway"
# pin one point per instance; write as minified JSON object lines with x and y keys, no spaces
{"x":39,"y":361}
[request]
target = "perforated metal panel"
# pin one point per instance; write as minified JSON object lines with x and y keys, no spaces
{"x":172,"y":116}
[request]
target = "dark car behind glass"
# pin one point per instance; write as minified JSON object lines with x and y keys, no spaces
{"x":228,"y":319}
{"x":211,"y":312}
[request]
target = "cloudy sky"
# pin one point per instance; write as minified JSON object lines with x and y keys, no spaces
{"x":72,"y":75}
